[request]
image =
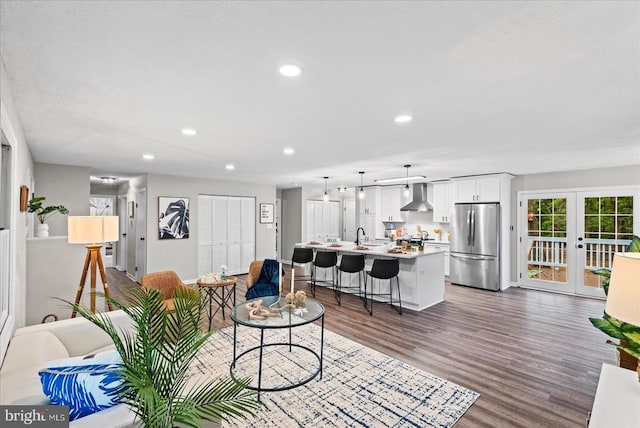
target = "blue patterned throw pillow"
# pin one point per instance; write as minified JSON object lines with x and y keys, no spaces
{"x":85,"y":384}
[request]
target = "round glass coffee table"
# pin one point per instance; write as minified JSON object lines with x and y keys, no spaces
{"x":287,"y":318}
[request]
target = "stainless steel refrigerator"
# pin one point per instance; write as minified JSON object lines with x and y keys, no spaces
{"x":475,"y":245}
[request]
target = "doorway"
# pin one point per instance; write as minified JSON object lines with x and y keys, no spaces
{"x":123,"y":222}
{"x":565,"y":236}
{"x":105,"y":205}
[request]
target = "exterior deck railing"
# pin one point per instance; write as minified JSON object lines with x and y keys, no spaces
{"x":553,"y":251}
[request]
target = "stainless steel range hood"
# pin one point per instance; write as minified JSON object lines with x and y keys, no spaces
{"x":420,"y":202}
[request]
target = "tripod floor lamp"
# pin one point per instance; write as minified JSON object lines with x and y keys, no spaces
{"x":94,"y":231}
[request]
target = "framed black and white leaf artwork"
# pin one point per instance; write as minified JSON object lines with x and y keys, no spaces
{"x":173,"y":217}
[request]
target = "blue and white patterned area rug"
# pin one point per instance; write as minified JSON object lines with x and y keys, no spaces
{"x":360,"y":387}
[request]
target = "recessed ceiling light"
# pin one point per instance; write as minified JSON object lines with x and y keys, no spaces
{"x":290,"y":70}
{"x":108,"y":180}
{"x":147,"y":156}
{"x":187,"y":131}
{"x":288,"y":151}
{"x":229,"y":167}
{"x":403,"y":118}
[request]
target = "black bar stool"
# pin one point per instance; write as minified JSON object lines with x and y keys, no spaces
{"x":302,"y":256}
{"x":324,"y":259}
{"x":384,"y":269}
{"x":349,"y":263}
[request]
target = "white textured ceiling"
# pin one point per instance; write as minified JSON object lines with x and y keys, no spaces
{"x":519,"y":87}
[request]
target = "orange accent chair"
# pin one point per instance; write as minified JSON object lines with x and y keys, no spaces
{"x":167,"y":282}
{"x":254,"y":272}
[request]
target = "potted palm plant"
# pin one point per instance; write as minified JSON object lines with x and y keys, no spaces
{"x":35,"y":206}
{"x":627,"y":334}
{"x":156,"y":356}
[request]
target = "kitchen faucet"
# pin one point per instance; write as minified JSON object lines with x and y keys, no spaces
{"x":358,"y":235}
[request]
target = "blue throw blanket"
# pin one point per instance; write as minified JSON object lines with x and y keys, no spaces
{"x":267,"y":284}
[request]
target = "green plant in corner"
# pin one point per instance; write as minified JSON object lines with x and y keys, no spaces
{"x":35,"y":206}
{"x":156,"y":355}
{"x":628,"y":334}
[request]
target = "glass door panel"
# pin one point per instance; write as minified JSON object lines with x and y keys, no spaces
{"x":546,"y":246}
{"x":606,"y":221}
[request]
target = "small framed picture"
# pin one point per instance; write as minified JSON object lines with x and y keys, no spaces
{"x":266,"y":213}
{"x":132,"y":207}
{"x":24,"y":197}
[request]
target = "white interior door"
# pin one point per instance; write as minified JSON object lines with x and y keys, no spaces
{"x":123,"y":224}
{"x":141,"y":234}
{"x":220,"y":232}
{"x":234,"y":235}
{"x":205,"y":234}
{"x":248,"y":233}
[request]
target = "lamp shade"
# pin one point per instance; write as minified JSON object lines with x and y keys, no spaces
{"x":623,"y":299}
{"x":92,"y":229}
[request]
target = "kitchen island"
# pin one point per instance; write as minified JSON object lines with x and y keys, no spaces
{"x":421,"y":272}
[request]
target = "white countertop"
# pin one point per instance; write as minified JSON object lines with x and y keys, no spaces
{"x":437,"y":242}
{"x":374,"y":250}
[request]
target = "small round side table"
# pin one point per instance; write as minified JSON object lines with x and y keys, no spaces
{"x":215,"y":292}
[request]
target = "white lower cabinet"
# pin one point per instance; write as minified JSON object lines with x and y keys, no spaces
{"x":226,"y":233}
{"x":444,"y":247}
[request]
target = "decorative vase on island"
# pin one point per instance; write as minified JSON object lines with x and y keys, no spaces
{"x":42,"y":230}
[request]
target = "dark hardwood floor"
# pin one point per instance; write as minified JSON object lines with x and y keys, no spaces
{"x":532,"y":355}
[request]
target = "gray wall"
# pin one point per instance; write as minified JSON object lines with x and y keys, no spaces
{"x":62,"y":185}
{"x":181,"y":255}
{"x":291,"y":220}
{"x":616,"y":176}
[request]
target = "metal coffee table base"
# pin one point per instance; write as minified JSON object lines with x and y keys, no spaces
{"x":261,"y":347}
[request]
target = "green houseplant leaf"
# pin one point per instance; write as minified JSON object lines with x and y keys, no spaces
{"x":627,"y":333}
{"x":608,"y":325}
{"x":634,"y":245}
{"x":35,"y":206}
{"x":156,"y":356}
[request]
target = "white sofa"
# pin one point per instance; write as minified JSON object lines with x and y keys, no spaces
{"x":31,"y":347}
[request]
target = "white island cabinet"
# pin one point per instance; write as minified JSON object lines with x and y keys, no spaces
{"x":421,"y":274}
{"x":444,"y":246}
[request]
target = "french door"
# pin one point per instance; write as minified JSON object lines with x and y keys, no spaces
{"x":565,"y":236}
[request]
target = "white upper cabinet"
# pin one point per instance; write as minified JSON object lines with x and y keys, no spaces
{"x":442,"y":201}
{"x":392,"y":201}
{"x":370,"y":212}
{"x":370,"y":204}
{"x":477,"y":189}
